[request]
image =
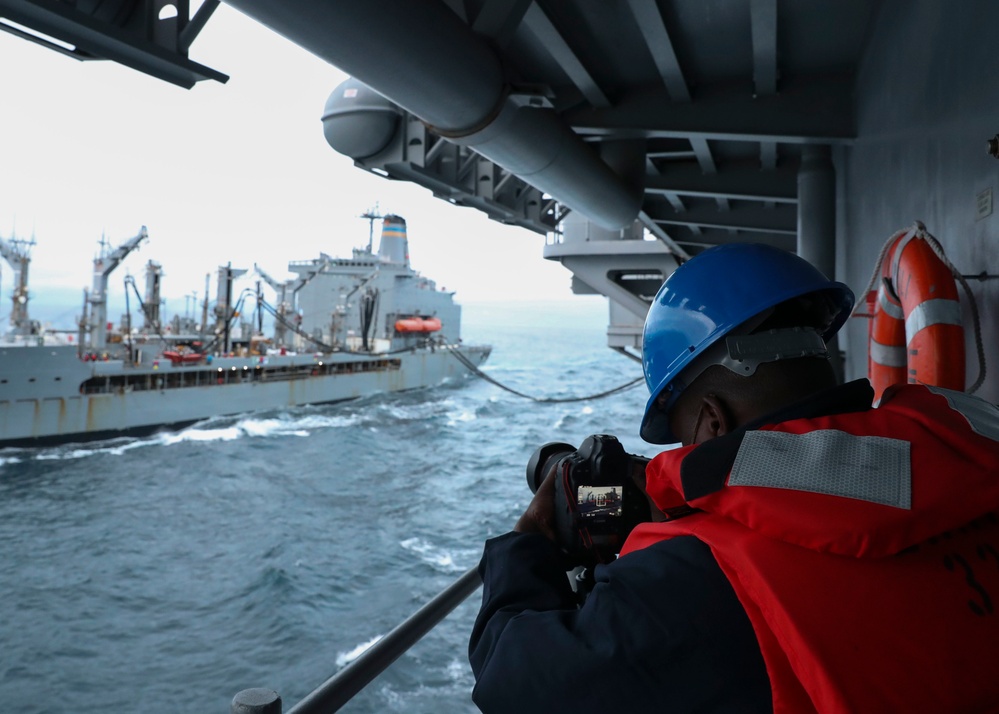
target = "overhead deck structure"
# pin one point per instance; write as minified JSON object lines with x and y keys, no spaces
{"x":637,"y":133}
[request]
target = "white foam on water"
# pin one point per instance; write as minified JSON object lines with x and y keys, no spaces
{"x":270,"y":427}
{"x":437,"y":558}
{"x":319,"y":421}
{"x":460,"y":417}
{"x":287,"y":424}
{"x":345,"y":658}
{"x":202,"y":435}
{"x":422,"y":410}
{"x":206,"y":432}
{"x":457,"y":670}
{"x":116,"y":449}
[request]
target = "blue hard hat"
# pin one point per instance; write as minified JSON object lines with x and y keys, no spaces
{"x":709,"y":296}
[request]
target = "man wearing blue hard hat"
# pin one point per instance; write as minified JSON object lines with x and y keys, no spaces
{"x":802,"y":550}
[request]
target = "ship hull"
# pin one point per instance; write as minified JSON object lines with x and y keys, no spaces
{"x":72,"y":400}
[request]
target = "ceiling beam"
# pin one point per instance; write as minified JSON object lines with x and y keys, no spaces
{"x":650,"y":23}
{"x":813,"y":110}
{"x":709,"y":239}
{"x":664,"y":237}
{"x":674,"y":201}
{"x":707,"y":163}
{"x":782,"y":220}
{"x":548,"y":35}
{"x":702,"y":151}
{"x":735,"y":182}
{"x":768,"y":155}
{"x":93,"y":38}
{"x":763,"y":20}
{"x":499,"y":19}
{"x":768,"y":160}
{"x":672,"y":154}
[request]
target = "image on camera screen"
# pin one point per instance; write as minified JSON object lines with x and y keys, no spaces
{"x":593,"y":501}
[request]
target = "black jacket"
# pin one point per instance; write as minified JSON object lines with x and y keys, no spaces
{"x":661,"y":631}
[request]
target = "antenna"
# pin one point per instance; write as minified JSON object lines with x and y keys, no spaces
{"x":372,"y":214}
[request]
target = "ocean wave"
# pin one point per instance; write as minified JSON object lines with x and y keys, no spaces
{"x":116,"y":448}
{"x":457,"y":670}
{"x":436,"y":557}
{"x":322,"y":421}
{"x":461,"y":416}
{"x":201,"y":435}
{"x":419,"y":411}
{"x":212,"y":430}
{"x":451,"y":683}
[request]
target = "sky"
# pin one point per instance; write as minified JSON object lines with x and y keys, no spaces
{"x":236,"y":172}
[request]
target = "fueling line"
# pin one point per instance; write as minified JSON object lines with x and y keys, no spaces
{"x":544,"y":400}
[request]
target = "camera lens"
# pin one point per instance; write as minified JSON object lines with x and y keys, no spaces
{"x":541,"y":461}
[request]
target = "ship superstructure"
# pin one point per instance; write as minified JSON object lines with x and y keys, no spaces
{"x":343,"y":329}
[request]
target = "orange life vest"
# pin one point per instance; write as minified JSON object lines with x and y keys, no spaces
{"x":865,"y":550}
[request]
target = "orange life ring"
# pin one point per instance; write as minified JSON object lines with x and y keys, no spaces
{"x":916,"y":334}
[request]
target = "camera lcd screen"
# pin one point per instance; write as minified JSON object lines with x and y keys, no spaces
{"x":597,"y":501}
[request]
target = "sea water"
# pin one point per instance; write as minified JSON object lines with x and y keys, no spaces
{"x":167,"y":573}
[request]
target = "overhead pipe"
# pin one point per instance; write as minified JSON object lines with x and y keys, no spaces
{"x":422,"y":57}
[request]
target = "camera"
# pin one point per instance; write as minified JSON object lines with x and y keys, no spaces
{"x":597,"y":502}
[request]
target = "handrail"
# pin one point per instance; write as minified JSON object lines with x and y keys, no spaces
{"x":342,"y":686}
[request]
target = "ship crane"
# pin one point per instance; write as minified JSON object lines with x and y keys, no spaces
{"x":284,"y":306}
{"x":104,"y":265}
{"x":17,"y":252}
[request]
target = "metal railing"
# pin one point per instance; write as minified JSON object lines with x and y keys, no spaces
{"x":342,"y":686}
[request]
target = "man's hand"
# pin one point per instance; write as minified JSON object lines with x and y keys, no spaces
{"x":540,"y":514}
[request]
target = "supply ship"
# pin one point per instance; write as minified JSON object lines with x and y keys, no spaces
{"x":343,"y":328}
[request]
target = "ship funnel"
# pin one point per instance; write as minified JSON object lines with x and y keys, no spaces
{"x":394,"y":247}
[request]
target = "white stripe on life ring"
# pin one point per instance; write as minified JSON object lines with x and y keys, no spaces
{"x":892,"y":309}
{"x":932,"y":312}
{"x":888,"y":355}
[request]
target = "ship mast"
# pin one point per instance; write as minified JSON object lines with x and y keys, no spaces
{"x":104,"y":265}
{"x":17,"y":252}
{"x":372,"y":215}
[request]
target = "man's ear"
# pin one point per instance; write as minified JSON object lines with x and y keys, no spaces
{"x":715,"y":419}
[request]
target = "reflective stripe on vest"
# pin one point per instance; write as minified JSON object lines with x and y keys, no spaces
{"x":982,"y":416}
{"x":828,"y":462}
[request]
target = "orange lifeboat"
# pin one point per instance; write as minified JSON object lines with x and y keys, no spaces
{"x":183,"y":357}
{"x":916,"y":334}
{"x":418,"y":324}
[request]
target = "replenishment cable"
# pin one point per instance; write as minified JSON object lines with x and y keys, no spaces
{"x":545,"y":400}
